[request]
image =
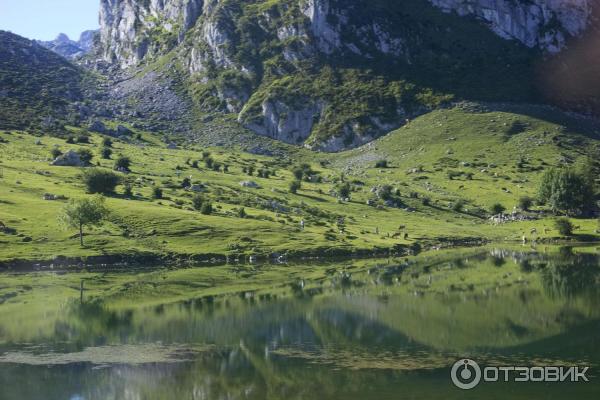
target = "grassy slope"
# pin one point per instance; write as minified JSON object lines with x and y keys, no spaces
{"x":146,"y":225}
{"x":36,"y":84}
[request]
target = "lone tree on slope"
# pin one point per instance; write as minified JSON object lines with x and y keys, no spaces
{"x":84,"y":212}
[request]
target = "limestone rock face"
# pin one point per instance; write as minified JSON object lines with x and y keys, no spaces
{"x":536,"y":23}
{"x":131,"y":29}
{"x":253,"y":58}
{"x":285,"y":123}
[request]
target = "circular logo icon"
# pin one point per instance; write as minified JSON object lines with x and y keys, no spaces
{"x":466,"y":374}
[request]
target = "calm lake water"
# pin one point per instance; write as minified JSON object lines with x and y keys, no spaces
{"x":389,"y":329}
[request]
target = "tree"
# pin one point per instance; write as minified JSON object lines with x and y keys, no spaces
{"x":106,"y":152}
{"x":208,"y":162}
{"x":84,"y":212}
{"x":295,"y":186}
{"x":385,"y":193}
{"x":525,"y":203}
{"x":157,"y":193}
{"x":242,"y":213}
{"x":298,"y":173}
{"x":197,"y":202}
{"x":123,"y":163}
{"x":207,"y":208}
{"x":381,"y":164}
{"x":458,"y":205}
{"x":107,"y":142}
{"x":100,"y":181}
{"x":564,"y":226}
{"x":85,"y":155}
{"x":128,"y":191}
{"x":497,"y":209}
{"x":344,"y":190}
{"x":186,"y":183}
{"x":567,"y":190}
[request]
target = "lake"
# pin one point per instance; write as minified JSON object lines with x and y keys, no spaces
{"x":363,"y":329}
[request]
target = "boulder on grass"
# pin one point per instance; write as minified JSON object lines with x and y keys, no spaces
{"x":250,"y":184}
{"x":70,"y":159}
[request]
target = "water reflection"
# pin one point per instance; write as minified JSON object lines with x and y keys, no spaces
{"x":386,"y":330}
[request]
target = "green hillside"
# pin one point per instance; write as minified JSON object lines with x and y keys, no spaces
{"x":356,"y":91}
{"x":493,"y":155}
{"x":38,"y":87}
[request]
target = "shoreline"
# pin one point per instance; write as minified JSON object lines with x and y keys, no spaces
{"x":175,"y":260}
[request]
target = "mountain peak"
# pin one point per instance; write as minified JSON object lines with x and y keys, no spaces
{"x":62,"y":38}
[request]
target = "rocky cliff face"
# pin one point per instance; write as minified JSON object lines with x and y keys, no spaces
{"x":546,"y":24}
{"x":333,"y":74}
{"x":134,"y":29}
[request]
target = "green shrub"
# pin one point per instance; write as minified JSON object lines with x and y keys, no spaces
{"x":525,"y":203}
{"x":85,"y":155}
{"x":100,"y":181}
{"x":197,"y":202}
{"x":344,"y":191}
{"x":107,"y":142}
{"x":106,"y":153}
{"x":564,"y":226}
{"x":157,"y":193}
{"x":497,"y":209}
{"x":122,"y":163}
{"x":381,"y":164}
{"x":207,"y":209}
{"x":128,"y":191}
{"x":386,"y":193}
{"x":295,"y":186}
{"x":458,"y":205}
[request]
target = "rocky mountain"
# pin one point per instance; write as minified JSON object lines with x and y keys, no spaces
{"x":69,"y":48}
{"x":330,"y":74}
{"x":39,"y":89}
{"x":545,"y":24}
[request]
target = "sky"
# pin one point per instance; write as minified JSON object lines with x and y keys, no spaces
{"x":45,"y":19}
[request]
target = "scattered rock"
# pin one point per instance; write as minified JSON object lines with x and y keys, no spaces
{"x":69,"y":159}
{"x":250,"y":184}
{"x":196,"y":188}
{"x":52,"y":197}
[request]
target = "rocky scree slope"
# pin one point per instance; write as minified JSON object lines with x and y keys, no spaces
{"x":333,"y":74}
